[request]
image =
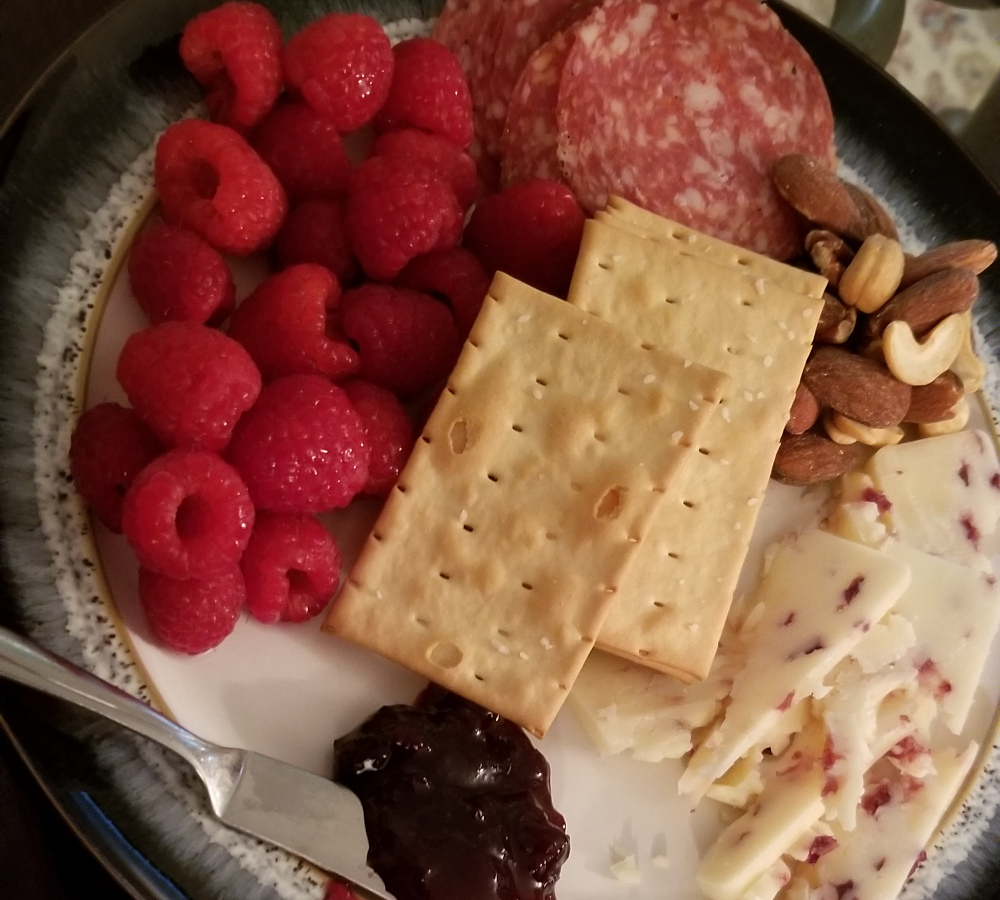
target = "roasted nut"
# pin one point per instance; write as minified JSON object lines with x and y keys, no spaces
{"x":805,"y":459}
{"x":833,"y":431}
{"x":873,"y":276}
{"x":830,"y":253}
{"x":860,"y":388}
{"x":924,"y":304}
{"x":836,"y":321}
{"x":934,"y":401}
{"x":967,"y":365}
{"x":863,"y":434}
{"x":872,"y":215}
{"x":804,"y":411}
{"x":977,"y":256}
{"x":956,"y":421}
{"x":813,"y":189}
{"x":919,"y":362}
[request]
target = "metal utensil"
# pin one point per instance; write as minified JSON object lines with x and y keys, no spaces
{"x":313,"y":817}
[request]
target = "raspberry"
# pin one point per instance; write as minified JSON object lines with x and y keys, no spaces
{"x":388,"y":430}
{"x":284,"y":325}
{"x":304,"y":150}
{"x":213,"y":182}
{"x":407,"y":340}
{"x":456,"y":277}
{"x":187,"y":514}
{"x":452,"y":165}
{"x":302,"y":447}
{"x":110,"y":446}
{"x":192,"y":615}
{"x":428,"y":91}
{"x":291,"y":567}
{"x":341,"y":65}
{"x":234,"y":51}
{"x":175,"y":274}
{"x":530,"y":230}
{"x":315,"y":232}
{"x":188,"y":382}
{"x":395,"y":214}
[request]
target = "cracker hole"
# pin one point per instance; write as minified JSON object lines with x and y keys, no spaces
{"x":645,"y":345}
{"x":563,"y":337}
{"x":517,"y":428}
{"x":468,"y":528}
{"x":659,"y":604}
{"x":451,"y":390}
{"x":604,"y":265}
{"x":623,"y":392}
{"x":401,"y":488}
{"x":458,"y":436}
{"x":494,"y":478}
{"x":663,"y":490}
{"x":643,"y":652}
{"x":353,"y":582}
{"x":600,"y":437}
{"x":542,"y":382}
{"x":444,"y":575}
{"x":474,"y":343}
{"x":551,"y":536}
{"x":503,"y":632}
{"x":704,"y":451}
{"x":575,"y":487}
{"x":527,"y":586}
{"x":422,"y":622}
{"x":745,"y":303}
{"x":425,"y":438}
{"x":479,"y":677}
{"x":611,"y":503}
{"x":673,"y":555}
{"x":447,"y":656}
{"x":742,"y":261}
{"x":670,"y":300}
{"x":376,"y":536}
{"x":563,"y":687}
{"x":689,"y":504}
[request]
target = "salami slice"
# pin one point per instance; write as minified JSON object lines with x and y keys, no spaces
{"x":682,"y":106}
{"x":530,"y":136}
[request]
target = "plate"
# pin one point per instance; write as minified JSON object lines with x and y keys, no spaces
{"x":73,"y":178}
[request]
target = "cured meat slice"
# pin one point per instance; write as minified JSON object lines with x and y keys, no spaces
{"x":530,"y":135}
{"x":682,"y":106}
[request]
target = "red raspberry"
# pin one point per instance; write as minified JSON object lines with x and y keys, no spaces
{"x":175,"y":274}
{"x":213,"y":182}
{"x":530,"y":230}
{"x":188,"y":514}
{"x":302,"y":447}
{"x":388,"y":430}
{"x":291,"y":567}
{"x":188,"y":382}
{"x":428,"y":91}
{"x":304,"y":150}
{"x":456,"y":277}
{"x":234,"y":51}
{"x":407,"y":340}
{"x":395,"y":214}
{"x":110,"y":446}
{"x":341,"y":65}
{"x":315,"y":232}
{"x":192,"y":615}
{"x":452,"y":165}
{"x":284,"y":325}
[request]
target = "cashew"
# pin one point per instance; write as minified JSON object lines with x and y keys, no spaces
{"x":958,"y":419}
{"x":833,"y":432}
{"x":967,"y":365}
{"x":919,"y":362}
{"x":873,"y":276}
{"x":865,"y":434}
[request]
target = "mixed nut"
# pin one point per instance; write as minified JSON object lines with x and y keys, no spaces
{"x":893,"y":353}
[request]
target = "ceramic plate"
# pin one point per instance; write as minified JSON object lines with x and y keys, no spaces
{"x":75,"y":184}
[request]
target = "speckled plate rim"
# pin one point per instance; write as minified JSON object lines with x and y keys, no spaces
{"x":55,"y":223}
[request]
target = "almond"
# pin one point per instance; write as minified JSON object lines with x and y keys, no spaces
{"x":830,"y":253}
{"x":836,"y":321}
{"x":805,"y":459}
{"x":814,"y":190}
{"x":860,"y":388}
{"x":924,"y":304}
{"x":977,"y":256}
{"x":804,"y":411}
{"x":934,"y":402}
{"x":872,"y":217}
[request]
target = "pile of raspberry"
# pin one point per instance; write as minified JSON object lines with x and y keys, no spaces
{"x":246,"y":421}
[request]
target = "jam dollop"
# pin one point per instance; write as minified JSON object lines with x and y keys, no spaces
{"x":456,"y":801}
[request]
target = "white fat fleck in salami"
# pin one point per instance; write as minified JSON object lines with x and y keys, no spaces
{"x":682,"y":106}
{"x":528,"y":146}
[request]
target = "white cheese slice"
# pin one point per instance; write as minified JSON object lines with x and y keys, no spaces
{"x":899,"y":817}
{"x":750,"y":846}
{"x":820,"y":595}
{"x":944,"y":493}
{"x":954,"y":611}
{"x":767,"y":886}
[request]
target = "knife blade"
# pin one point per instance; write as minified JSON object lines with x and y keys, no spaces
{"x":313,"y":817}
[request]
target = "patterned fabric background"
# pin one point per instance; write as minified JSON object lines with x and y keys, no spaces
{"x":946,"y":56}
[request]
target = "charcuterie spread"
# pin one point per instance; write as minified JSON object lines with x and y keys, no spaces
{"x":565,"y":289}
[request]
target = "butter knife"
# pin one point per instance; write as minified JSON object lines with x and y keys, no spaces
{"x":313,"y":817}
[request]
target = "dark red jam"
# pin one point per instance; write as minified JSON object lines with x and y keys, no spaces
{"x":456,"y":800}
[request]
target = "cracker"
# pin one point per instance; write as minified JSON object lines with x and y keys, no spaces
{"x":673,"y":601}
{"x":496,"y":558}
{"x":644,"y":223}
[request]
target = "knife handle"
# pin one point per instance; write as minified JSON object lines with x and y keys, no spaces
{"x":25,"y":662}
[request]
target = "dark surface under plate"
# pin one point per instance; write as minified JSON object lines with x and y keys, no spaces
{"x":96,"y":112}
